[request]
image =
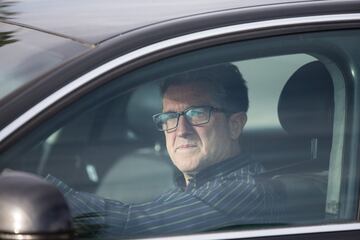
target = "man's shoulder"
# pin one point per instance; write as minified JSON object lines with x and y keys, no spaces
{"x":247,"y":168}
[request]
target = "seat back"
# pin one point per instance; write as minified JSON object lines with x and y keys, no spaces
{"x":305,"y":110}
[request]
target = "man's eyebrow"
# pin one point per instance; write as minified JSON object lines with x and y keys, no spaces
{"x":170,"y":111}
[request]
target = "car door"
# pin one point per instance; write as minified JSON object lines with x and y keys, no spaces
{"x":96,"y":134}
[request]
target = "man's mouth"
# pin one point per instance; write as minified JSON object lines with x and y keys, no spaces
{"x":185,"y":147}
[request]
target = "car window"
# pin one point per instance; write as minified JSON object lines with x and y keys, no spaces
{"x":149,"y":137}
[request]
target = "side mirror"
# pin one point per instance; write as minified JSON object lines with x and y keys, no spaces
{"x":31,"y":208}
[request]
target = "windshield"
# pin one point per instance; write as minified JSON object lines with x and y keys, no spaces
{"x":26,"y":54}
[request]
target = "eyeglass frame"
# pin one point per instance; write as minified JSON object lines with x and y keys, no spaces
{"x":211,"y":109}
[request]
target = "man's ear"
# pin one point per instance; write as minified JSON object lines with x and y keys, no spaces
{"x":237,"y":122}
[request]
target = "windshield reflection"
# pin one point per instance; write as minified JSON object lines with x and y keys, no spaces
{"x":6,"y":37}
{"x":28,"y":53}
{"x":5,"y":13}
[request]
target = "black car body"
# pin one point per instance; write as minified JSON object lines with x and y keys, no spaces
{"x":78,"y":86}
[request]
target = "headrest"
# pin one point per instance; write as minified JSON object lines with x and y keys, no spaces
{"x":306,"y":103}
{"x":143,"y":104}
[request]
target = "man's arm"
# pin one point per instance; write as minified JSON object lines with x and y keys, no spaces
{"x":92,"y":215}
{"x":214,"y":205}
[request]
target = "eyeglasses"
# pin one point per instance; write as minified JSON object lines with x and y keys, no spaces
{"x":168,"y":121}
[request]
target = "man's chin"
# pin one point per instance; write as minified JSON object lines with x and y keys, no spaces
{"x":192,"y":166}
{"x":189,"y":171}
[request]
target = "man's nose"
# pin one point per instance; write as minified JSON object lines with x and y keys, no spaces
{"x":184,"y":128}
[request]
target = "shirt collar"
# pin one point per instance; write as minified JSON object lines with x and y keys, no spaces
{"x":220,"y":169}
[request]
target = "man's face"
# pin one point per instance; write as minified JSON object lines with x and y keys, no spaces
{"x":193,"y":148}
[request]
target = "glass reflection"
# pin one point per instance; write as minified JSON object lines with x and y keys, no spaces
{"x":4,"y":12}
{"x":6,"y":37}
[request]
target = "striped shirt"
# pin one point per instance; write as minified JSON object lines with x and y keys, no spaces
{"x":225,"y":194}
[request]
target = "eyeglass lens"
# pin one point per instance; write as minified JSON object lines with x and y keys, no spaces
{"x":195,"y":116}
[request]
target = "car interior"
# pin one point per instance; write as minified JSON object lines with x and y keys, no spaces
{"x":114,"y":150}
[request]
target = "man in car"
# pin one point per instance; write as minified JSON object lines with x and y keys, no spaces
{"x":204,"y":113}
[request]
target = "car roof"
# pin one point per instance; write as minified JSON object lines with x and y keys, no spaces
{"x":94,"y":21}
